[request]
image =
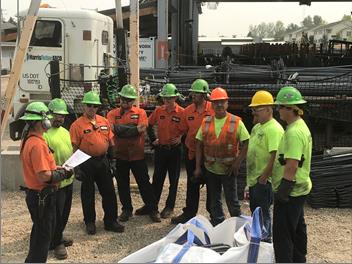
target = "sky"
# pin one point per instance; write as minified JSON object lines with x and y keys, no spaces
{"x":228,"y":19}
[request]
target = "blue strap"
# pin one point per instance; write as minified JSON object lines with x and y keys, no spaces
{"x":185,"y":248}
{"x":197,"y":223}
{"x":256,"y":236}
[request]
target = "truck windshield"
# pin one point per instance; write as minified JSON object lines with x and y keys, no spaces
{"x":47,"y":34}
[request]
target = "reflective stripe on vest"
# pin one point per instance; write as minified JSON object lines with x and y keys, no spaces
{"x":232,"y":128}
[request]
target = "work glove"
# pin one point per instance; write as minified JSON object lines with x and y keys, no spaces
{"x":79,"y":173}
{"x":284,"y":190}
{"x":60,"y":174}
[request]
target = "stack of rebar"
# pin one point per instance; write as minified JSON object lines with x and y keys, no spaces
{"x":332,"y":181}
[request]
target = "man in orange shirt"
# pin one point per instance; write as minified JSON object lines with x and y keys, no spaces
{"x":191,"y":121}
{"x":91,"y":133}
{"x":167,"y":157}
{"x":41,"y":176}
{"x":130,"y":123}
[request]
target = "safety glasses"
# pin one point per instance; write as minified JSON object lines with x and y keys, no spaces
{"x":257,"y":110}
{"x":279,"y":107}
{"x":92,"y":105}
{"x":127,"y":100}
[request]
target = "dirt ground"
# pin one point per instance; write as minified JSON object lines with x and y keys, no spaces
{"x":329,"y":231}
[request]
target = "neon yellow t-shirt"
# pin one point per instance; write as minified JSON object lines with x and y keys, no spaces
{"x":264,"y":139}
{"x":295,"y":143}
{"x":241,"y":135}
{"x":59,"y":140}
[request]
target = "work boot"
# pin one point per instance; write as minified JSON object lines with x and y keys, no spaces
{"x":125,"y":215}
{"x":155,"y":216}
{"x":60,"y":252}
{"x":67,"y":241}
{"x":181,"y":219}
{"x":114,"y":227}
{"x":144,"y":210}
{"x":91,"y":229}
{"x":166,"y":212}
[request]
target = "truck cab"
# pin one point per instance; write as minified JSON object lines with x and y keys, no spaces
{"x":82,"y":42}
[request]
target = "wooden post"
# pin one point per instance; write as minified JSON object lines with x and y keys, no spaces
{"x":16,"y":69}
{"x":134,"y":45}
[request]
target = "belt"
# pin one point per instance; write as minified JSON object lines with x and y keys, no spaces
{"x":169,"y":146}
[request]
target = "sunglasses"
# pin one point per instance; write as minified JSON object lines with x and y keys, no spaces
{"x":283,"y":107}
{"x":128,"y":100}
{"x":92,"y":105}
{"x":257,"y":110}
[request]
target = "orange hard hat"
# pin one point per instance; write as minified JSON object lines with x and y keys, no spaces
{"x":218,"y":94}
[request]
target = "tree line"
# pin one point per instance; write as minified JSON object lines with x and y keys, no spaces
{"x":277,"y":30}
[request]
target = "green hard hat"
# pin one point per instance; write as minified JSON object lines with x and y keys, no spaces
{"x":289,"y":95}
{"x":128,"y":91}
{"x":91,"y":98}
{"x":58,"y":106}
{"x":169,"y":90}
{"x":200,"y":86}
{"x":36,"y":111}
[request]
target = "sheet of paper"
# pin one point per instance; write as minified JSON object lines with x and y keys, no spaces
{"x":76,"y":159}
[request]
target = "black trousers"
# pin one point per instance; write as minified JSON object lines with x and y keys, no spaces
{"x":43,"y":227}
{"x":97,"y":170}
{"x":216,"y":183}
{"x":192,"y":197}
{"x":140,"y":171}
{"x":63,"y":209}
{"x":289,"y":231}
{"x":166,"y":161}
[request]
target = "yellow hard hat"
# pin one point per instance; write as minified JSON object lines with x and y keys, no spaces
{"x":262,"y":98}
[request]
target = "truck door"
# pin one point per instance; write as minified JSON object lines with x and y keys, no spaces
{"x":47,"y":43}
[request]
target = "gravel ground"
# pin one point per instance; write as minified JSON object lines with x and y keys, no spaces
{"x":329,"y":231}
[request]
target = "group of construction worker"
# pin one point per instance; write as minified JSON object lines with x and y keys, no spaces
{"x":215,"y":142}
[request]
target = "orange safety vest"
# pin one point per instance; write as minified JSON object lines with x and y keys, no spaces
{"x":223,"y":149}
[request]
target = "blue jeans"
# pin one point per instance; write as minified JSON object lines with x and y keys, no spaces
{"x":215,"y":184}
{"x":261,"y":195}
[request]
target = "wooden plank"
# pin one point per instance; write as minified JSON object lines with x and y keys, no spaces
{"x":15,"y":73}
{"x":134,"y":46}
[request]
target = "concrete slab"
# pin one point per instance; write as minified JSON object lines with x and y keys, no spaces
{"x":11,"y":170}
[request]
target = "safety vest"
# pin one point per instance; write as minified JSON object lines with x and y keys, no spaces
{"x":224,"y":148}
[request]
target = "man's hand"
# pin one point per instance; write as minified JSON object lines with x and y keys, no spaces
{"x":197,"y":173}
{"x":176,"y":141}
{"x":141,"y":128}
{"x":234,"y":170}
{"x":263,"y":179}
{"x":284,"y":190}
{"x":79,"y":174}
{"x":155,"y":142}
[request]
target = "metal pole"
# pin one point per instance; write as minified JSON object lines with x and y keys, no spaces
{"x":118,"y":11}
{"x":162,"y":41}
{"x":120,"y":44}
{"x":174,"y":33}
{"x":134,"y":45}
{"x":195,"y":28}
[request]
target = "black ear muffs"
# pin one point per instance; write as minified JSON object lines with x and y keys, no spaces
{"x":45,"y":122}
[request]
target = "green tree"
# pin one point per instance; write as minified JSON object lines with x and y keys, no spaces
{"x":307,"y":22}
{"x":292,"y":27}
{"x":318,"y":21}
{"x":346,"y":18}
{"x":279,"y":30}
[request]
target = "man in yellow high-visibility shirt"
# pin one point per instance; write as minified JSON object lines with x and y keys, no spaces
{"x":59,"y":140}
{"x":291,"y":182}
{"x":262,"y":147}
